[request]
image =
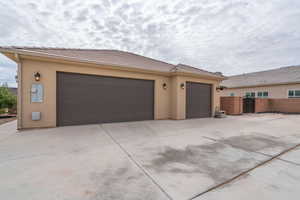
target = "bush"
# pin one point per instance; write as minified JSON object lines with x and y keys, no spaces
{"x":7,"y":99}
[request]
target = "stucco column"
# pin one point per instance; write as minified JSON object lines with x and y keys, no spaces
{"x":19,"y":94}
{"x":178,"y":98}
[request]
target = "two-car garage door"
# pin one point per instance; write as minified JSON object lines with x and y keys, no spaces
{"x":88,"y":99}
{"x":91,"y":99}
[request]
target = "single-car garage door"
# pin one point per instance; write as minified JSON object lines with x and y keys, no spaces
{"x":198,"y":100}
{"x":88,"y":99}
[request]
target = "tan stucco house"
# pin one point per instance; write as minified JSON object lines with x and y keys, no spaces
{"x":281,"y":83}
{"x":58,"y":87}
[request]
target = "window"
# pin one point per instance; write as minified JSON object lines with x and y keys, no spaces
{"x":291,"y":93}
{"x":259,"y":94}
{"x":232,"y":94}
{"x":250,"y":95}
{"x":294,"y":94}
{"x":262,"y":94}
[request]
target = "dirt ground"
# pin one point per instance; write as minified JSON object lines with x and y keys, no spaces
{"x":5,"y":120}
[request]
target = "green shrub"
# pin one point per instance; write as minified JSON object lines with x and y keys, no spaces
{"x":7,"y":99}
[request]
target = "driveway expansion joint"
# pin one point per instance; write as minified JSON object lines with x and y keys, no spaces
{"x":245,"y":172}
{"x":130,"y":157}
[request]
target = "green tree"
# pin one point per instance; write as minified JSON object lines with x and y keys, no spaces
{"x":7,"y":99}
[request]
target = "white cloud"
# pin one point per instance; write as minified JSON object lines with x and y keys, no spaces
{"x":233,"y":36}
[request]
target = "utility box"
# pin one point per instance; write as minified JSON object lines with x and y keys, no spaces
{"x":36,"y":116}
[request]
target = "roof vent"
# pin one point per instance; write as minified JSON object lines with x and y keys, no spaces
{"x":218,"y":73}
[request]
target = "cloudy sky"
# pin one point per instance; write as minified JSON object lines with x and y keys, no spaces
{"x":231,"y":36}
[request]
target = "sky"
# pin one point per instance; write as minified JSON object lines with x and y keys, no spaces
{"x":230,"y":36}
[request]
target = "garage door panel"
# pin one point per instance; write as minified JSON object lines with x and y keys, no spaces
{"x":87,"y":99}
{"x":198,"y":100}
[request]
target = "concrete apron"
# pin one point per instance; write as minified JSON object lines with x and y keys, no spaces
{"x":143,"y":160}
{"x":188,"y":165}
{"x":274,"y":180}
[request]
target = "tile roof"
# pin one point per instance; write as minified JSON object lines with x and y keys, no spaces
{"x":281,"y":75}
{"x":114,"y":57}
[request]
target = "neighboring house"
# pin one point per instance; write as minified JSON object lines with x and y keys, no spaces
{"x":58,"y":87}
{"x":278,"y":83}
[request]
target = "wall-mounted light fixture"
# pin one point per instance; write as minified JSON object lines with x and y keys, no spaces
{"x":164,"y":86}
{"x":220,"y":88}
{"x":37,"y":76}
{"x":182,"y":85}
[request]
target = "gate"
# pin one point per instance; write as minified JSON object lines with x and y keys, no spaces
{"x":249,"y":105}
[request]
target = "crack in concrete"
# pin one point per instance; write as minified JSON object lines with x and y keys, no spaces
{"x":209,"y":138}
{"x":288,"y":161}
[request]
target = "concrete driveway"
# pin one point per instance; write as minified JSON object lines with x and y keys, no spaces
{"x":192,"y":159}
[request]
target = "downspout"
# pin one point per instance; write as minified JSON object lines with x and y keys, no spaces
{"x":19,"y":97}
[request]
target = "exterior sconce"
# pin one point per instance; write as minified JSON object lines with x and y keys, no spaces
{"x":220,"y":88}
{"x":182,"y":85}
{"x":164,"y":86}
{"x":37,"y":76}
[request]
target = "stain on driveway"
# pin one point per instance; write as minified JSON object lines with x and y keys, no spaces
{"x":213,"y":160}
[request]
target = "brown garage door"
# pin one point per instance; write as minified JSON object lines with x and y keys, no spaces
{"x":88,"y":99}
{"x":198,"y":100}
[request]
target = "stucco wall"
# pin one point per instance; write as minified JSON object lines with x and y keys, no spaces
{"x":275,"y":92}
{"x":169,"y":103}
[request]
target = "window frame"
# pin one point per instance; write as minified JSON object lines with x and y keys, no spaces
{"x":294,"y":93}
{"x":250,"y":94}
{"x":260,"y":94}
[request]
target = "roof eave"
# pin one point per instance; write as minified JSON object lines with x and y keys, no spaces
{"x":34,"y":54}
{"x":262,"y":85}
{"x":40,"y":56}
{"x":211,"y":77}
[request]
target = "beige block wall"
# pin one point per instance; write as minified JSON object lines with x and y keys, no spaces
{"x":168,"y":103}
{"x":275,"y":92}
